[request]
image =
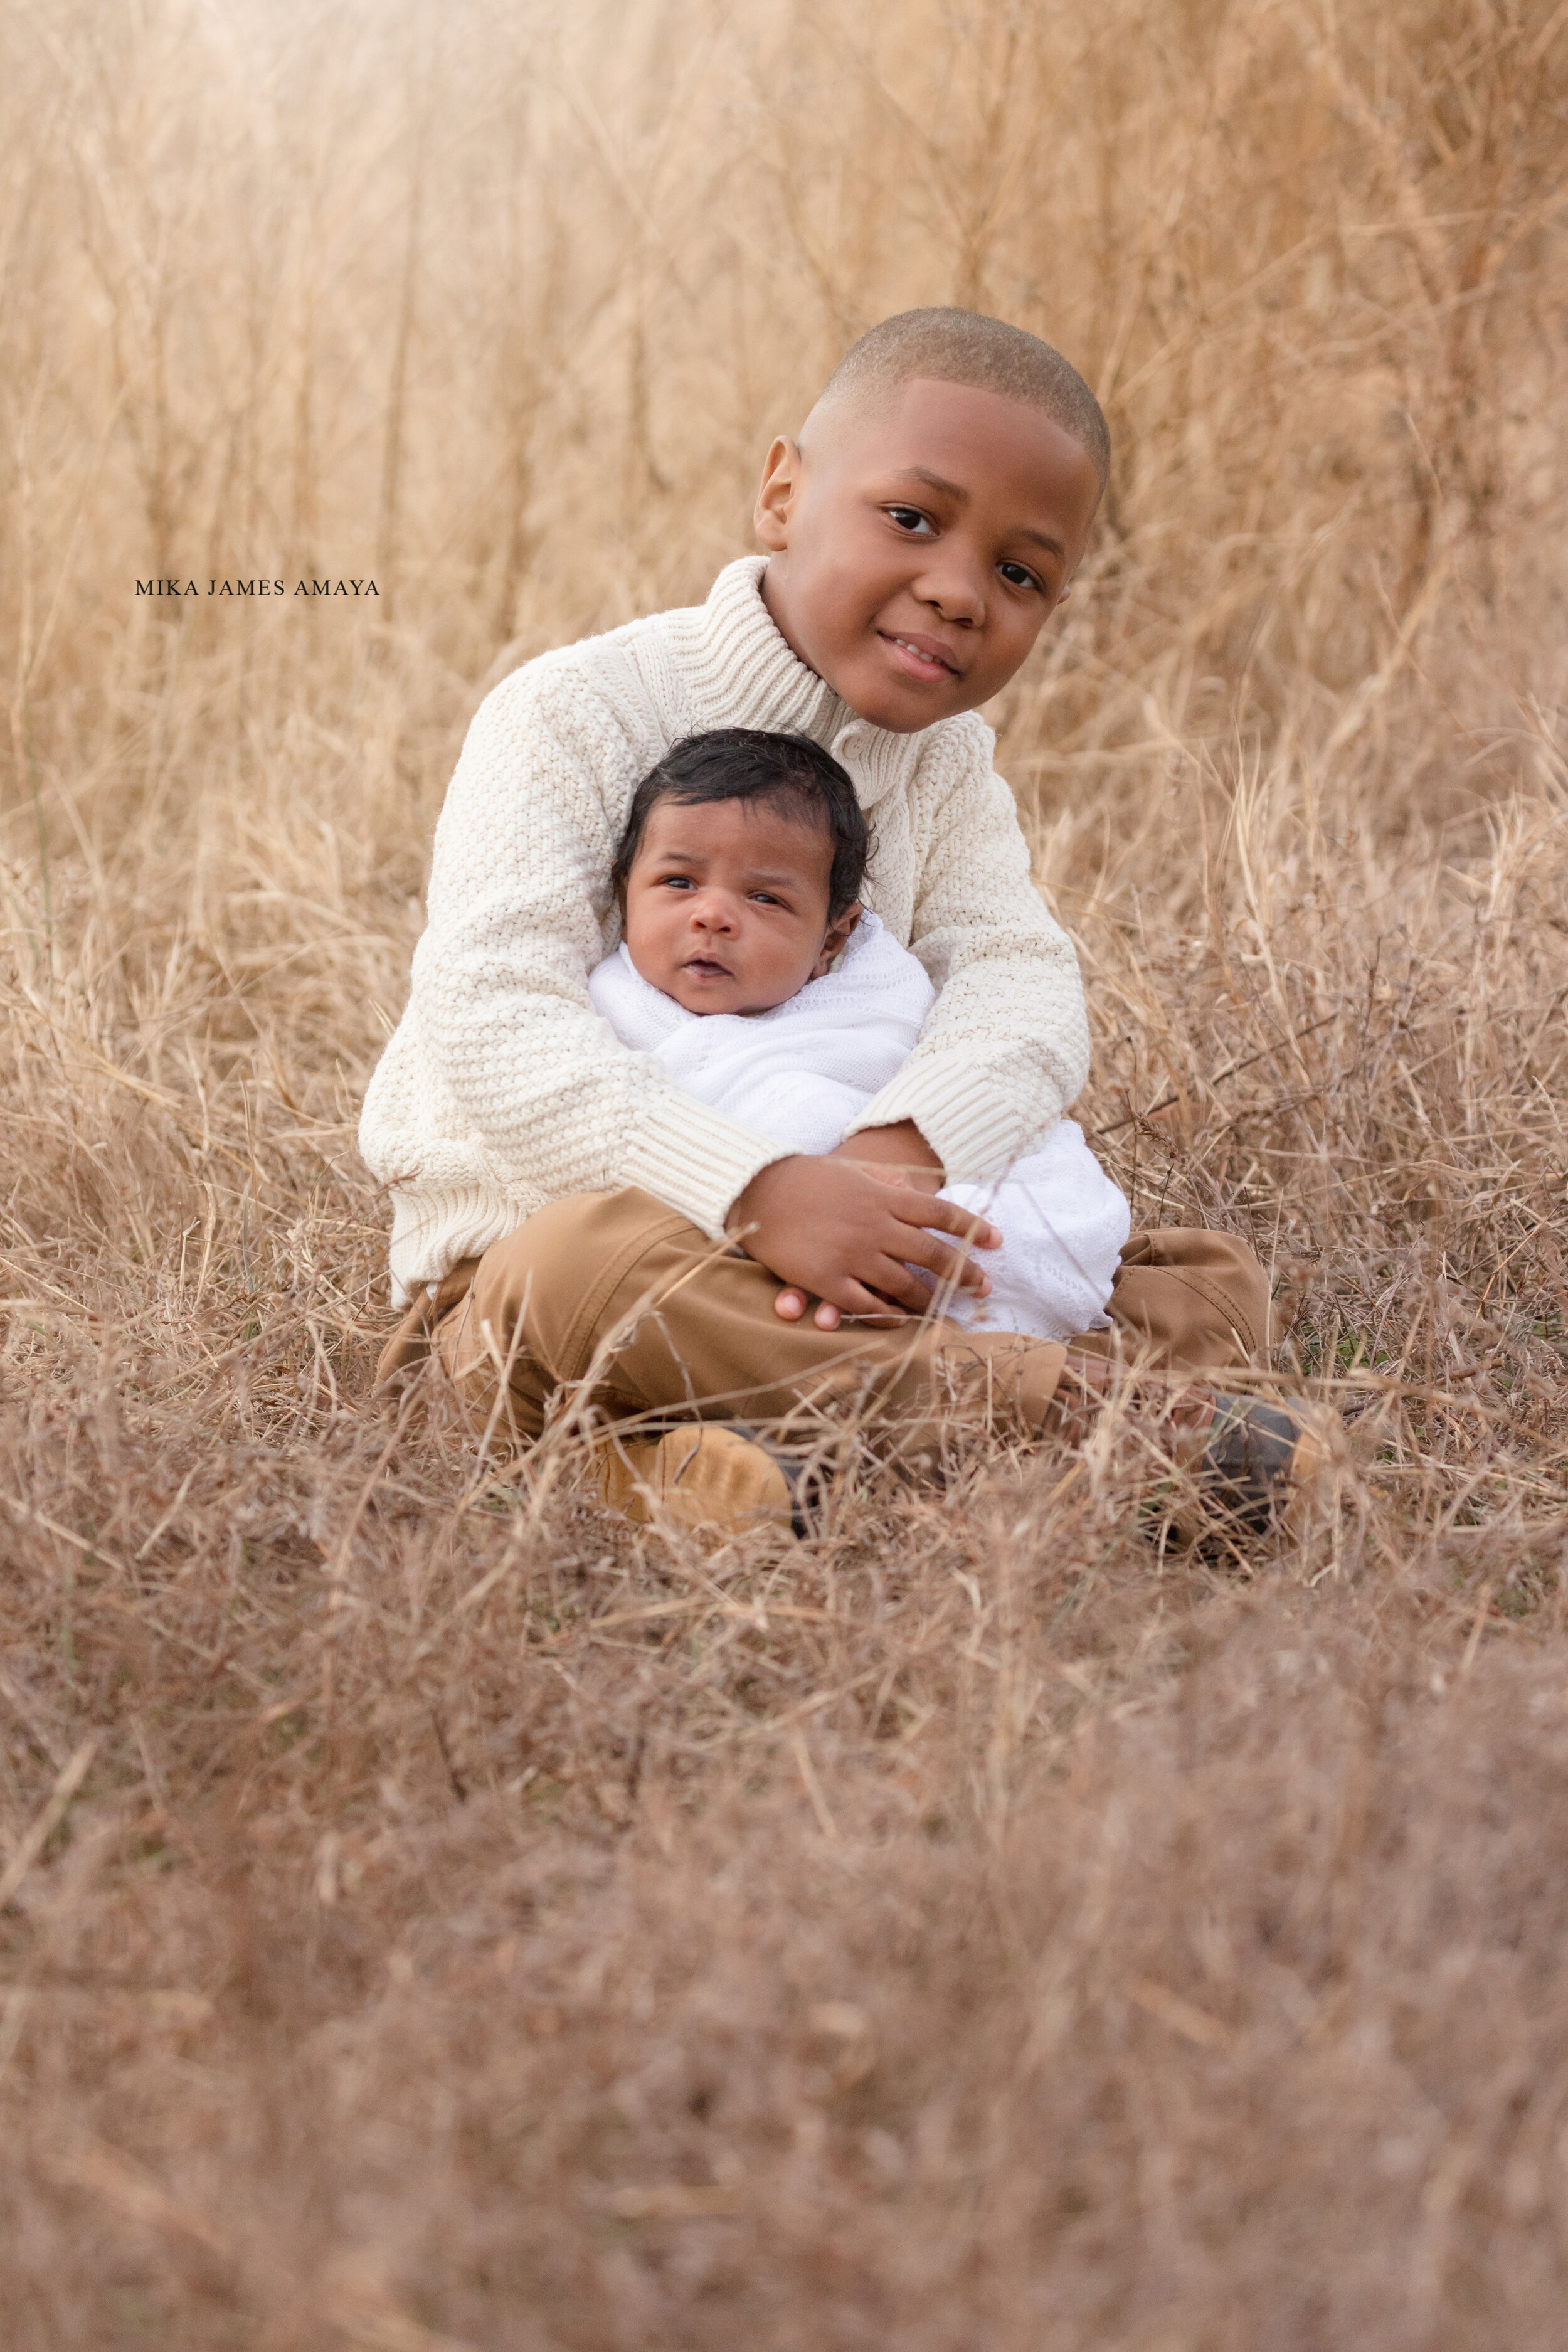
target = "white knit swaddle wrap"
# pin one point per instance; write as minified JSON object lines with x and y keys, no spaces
{"x":803,"y":1071}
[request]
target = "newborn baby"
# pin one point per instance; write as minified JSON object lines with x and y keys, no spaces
{"x":749,"y":967}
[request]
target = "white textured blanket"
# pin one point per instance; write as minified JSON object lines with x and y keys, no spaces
{"x":803,"y":1071}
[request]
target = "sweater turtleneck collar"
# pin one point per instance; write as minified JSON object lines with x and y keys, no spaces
{"x":748,"y":677}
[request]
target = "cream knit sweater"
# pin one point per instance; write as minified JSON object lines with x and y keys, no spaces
{"x":501,"y":1088}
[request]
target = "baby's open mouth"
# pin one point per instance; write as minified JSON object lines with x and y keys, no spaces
{"x":705,"y":968}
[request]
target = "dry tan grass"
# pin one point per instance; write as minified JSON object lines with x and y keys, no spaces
{"x":433,"y":1916}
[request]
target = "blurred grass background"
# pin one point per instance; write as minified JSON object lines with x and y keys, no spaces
{"x":434,"y":1916}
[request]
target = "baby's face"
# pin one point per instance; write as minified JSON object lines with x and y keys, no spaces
{"x":726,"y":904}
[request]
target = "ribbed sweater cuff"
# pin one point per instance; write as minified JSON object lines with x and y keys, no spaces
{"x":973,"y":1127}
{"x":697,"y":1160}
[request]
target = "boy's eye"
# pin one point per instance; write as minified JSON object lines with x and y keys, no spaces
{"x":678,"y":882}
{"x":909,"y":519}
{"x":1017,"y":575}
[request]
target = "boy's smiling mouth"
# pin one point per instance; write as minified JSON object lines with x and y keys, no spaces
{"x":920,"y":656}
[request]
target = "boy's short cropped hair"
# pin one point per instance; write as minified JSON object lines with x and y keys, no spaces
{"x":966,"y":347}
{"x":789,"y":773}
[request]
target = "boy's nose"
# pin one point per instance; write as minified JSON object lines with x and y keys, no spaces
{"x":953,"y":585}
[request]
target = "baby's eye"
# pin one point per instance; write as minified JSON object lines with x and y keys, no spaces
{"x":678,"y":882}
{"x":1017,"y":575}
{"x":766,"y":898}
{"x":909,"y":519}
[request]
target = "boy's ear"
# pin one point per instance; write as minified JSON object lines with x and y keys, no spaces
{"x":836,"y":937}
{"x":775,"y":499}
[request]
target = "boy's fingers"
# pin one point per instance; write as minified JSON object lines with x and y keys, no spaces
{"x":924,"y":1249}
{"x":791,"y":1303}
{"x":898,"y":1291}
{"x":870,"y":1307}
{"x":850,"y":1297}
{"x":925,"y":1209}
{"x":894,"y":1278}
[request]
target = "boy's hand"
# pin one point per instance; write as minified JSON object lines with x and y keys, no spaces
{"x":901,"y":1153}
{"x":845,"y":1228}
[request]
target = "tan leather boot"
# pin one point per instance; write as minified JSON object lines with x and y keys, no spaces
{"x":703,"y":1474}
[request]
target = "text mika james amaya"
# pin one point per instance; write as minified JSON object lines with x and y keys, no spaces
{"x":257,"y":588}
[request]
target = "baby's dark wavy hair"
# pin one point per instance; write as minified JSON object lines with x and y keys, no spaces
{"x":745,"y":764}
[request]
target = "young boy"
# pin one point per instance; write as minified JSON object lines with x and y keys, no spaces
{"x":545,"y":1181}
{"x":748,"y":965}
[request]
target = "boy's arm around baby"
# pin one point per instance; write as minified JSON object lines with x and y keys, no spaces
{"x":1005,"y":1049}
{"x":501,"y":1075}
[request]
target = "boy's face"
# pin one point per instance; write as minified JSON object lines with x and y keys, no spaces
{"x":919,"y":546}
{"x":726,"y":904}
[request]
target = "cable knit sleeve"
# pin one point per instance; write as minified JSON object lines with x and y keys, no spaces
{"x":1006,"y":1048}
{"x":518,"y":889}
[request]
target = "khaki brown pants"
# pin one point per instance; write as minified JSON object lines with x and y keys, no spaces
{"x":618,"y":1302}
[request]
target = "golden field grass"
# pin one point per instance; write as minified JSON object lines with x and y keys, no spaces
{"x":431,"y":1915}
